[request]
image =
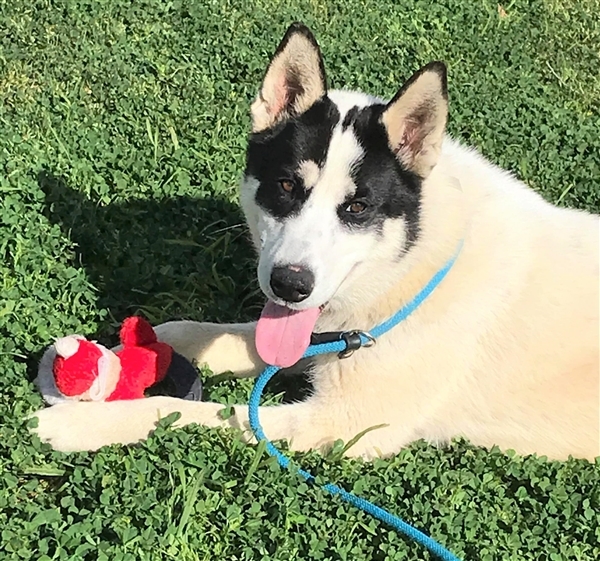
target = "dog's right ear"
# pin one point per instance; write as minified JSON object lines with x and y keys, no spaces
{"x":294,"y":81}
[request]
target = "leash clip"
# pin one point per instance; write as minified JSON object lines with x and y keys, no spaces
{"x":354,"y":341}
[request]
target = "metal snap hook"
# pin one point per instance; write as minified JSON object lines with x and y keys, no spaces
{"x":354,"y":341}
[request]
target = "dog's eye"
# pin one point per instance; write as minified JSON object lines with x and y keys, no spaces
{"x":286,"y":185}
{"x":356,"y":207}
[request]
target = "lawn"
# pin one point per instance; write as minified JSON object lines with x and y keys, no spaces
{"x":122,"y":134}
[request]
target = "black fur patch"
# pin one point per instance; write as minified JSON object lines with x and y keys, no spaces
{"x":276,"y":153}
{"x":388,"y":190}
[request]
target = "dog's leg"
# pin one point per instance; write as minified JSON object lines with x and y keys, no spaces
{"x":89,"y":426}
{"x":80,"y":426}
{"x":222,"y":347}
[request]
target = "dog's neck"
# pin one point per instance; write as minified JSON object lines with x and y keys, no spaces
{"x":382,"y":292}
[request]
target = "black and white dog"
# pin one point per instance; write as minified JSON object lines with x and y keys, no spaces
{"x":353,"y":204}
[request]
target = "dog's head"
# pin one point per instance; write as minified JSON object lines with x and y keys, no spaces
{"x":332,"y":185}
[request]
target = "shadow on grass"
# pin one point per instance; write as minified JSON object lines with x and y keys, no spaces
{"x":169,"y":258}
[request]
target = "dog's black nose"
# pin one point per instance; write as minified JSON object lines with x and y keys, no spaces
{"x":292,"y":283}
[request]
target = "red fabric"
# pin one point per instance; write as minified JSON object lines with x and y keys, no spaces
{"x":75,"y":375}
{"x":164,"y":354}
{"x":144,"y":361}
{"x":137,"y":332}
{"x":138,"y":372}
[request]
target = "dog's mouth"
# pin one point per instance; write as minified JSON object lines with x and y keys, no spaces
{"x":283,"y":334}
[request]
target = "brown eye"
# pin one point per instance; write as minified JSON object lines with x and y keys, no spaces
{"x":356,"y":207}
{"x":286,"y":185}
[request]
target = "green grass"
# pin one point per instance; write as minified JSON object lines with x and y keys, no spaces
{"x":122,"y":132}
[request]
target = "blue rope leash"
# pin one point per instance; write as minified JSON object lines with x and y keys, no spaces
{"x":336,"y":347}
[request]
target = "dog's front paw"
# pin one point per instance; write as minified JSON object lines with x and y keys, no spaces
{"x":84,"y":426}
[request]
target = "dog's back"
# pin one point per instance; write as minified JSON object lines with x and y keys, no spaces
{"x":513,"y":333}
{"x":545,"y":340}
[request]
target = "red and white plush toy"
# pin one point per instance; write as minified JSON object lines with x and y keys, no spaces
{"x":81,"y":370}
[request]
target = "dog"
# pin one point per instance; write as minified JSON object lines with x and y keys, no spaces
{"x":354,"y":204}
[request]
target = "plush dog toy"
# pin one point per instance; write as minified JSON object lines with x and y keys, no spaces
{"x":81,"y":370}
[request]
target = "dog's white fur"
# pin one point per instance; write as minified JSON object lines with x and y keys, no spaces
{"x":316,"y":237}
{"x":505,"y":352}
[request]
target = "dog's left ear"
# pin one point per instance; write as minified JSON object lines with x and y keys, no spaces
{"x":415,"y":119}
{"x":294,"y":81}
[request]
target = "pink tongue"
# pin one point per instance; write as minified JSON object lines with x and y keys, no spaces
{"x":282,"y":335}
